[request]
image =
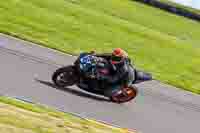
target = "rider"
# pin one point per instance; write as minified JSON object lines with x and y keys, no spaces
{"x":122,"y":73}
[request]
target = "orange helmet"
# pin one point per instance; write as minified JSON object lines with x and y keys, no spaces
{"x":118,"y":55}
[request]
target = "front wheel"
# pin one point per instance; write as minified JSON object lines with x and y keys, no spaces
{"x":65,"y":76}
{"x":124,"y":95}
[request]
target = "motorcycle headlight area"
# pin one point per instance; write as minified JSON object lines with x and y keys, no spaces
{"x":87,"y":62}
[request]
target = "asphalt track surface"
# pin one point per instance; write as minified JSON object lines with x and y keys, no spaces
{"x":26,"y":71}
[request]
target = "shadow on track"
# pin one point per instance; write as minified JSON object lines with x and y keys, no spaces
{"x":74,"y":92}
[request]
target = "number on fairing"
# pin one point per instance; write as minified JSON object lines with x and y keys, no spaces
{"x":86,"y":59}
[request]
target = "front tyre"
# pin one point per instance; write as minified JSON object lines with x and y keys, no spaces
{"x":65,"y":76}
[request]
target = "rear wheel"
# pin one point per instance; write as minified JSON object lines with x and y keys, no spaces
{"x":65,"y":76}
{"x":143,"y":76}
{"x":124,"y":95}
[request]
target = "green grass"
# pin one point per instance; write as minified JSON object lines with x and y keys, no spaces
{"x":164,"y":44}
{"x":21,"y":117}
{"x":181,"y":6}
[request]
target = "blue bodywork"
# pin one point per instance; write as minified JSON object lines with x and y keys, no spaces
{"x":87,"y":63}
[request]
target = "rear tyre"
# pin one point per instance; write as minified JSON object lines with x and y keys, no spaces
{"x":65,"y":76}
{"x":143,"y":76}
{"x":124,"y":95}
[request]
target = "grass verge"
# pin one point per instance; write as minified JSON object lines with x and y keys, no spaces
{"x":21,"y":117}
{"x":159,"y":42}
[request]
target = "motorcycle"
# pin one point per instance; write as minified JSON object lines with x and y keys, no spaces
{"x":73,"y":75}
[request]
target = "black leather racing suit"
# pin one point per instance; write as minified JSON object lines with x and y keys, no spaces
{"x":120,"y":75}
